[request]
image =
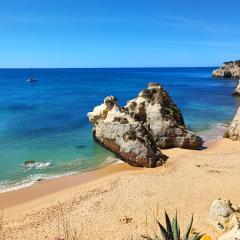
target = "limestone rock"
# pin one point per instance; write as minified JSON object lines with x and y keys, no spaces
{"x":237,"y":90}
{"x":139,"y":130}
{"x":127,"y":138}
{"x":223,"y":215}
{"x":233,"y":234}
{"x":228,"y":70}
{"x":155,"y":108}
{"x":234,"y":129}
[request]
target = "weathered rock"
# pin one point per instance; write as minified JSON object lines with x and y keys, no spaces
{"x":224,"y":215}
{"x":29,"y":162}
{"x":138,"y":131}
{"x":234,"y":129}
{"x":228,"y":70}
{"x":233,"y":234}
{"x":156,"y":110}
{"x":120,"y":133}
{"x":237,"y":90}
{"x":220,"y":213}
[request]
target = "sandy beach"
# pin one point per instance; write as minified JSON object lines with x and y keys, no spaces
{"x":122,"y":202}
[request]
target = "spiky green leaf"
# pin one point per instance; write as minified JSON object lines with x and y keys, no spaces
{"x":175,"y":228}
{"x":198,"y":236}
{"x":188,"y":230}
{"x":163,"y":231}
{"x":169,"y":227}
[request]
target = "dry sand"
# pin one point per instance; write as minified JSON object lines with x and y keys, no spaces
{"x":121,"y":202}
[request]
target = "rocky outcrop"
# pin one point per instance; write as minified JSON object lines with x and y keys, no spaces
{"x":237,"y":90}
{"x":225,"y":217}
{"x":138,"y":131}
{"x":127,"y":138}
{"x":156,"y":110}
{"x":228,"y":70}
{"x":234,"y":129}
{"x":234,"y":234}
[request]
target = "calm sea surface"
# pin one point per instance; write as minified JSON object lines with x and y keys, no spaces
{"x":46,"y":121}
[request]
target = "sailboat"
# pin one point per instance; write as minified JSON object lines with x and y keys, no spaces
{"x":32,"y":79}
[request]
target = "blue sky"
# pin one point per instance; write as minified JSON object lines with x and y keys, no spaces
{"x":126,"y":33}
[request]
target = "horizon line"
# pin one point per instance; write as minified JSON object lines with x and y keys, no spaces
{"x":103,"y":67}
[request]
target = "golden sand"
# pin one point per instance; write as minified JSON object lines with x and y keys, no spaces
{"x":122,"y":202}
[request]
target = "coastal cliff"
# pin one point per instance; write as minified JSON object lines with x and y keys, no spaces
{"x":237,"y":90}
{"x":228,"y":70}
{"x":234,"y":130}
{"x":138,"y":131}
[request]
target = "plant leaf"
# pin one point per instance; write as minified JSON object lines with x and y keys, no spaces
{"x":163,"y":231}
{"x":169,"y":227}
{"x":145,"y":237}
{"x":175,"y":228}
{"x":189,"y":227}
{"x":198,"y":236}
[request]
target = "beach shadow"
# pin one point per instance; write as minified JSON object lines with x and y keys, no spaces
{"x":202,"y":148}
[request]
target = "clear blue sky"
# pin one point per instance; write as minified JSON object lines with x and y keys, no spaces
{"x":123,"y":33}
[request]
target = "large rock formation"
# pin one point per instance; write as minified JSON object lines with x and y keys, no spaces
{"x":234,"y":129}
{"x":120,"y":133}
{"x":138,"y":131}
{"x":161,"y":116}
{"x":228,"y":70}
{"x":237,"y":90}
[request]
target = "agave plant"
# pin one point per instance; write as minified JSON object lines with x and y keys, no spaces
{"x":172,"y":231}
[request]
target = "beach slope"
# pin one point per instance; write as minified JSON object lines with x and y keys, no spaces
{"x":125,"y":203}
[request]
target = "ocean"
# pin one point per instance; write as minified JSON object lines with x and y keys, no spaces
{"x":46,"y":121}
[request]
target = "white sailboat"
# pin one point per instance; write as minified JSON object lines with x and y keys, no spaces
{"x":32,"y":79}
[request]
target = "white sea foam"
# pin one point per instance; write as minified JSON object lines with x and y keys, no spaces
{"x":216,"y":131}
{"x":8,"y":186}
{"x":36,"y":165}
{"x":113,"y":160}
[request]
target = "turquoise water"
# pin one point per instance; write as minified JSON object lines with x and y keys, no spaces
{"x":46,"y":122}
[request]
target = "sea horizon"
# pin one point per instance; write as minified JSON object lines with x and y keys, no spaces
{"x":30,"y":67}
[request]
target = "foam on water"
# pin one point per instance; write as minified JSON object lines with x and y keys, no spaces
{"x":215,"y":132}
{"x":8,"y":186}
{"x":36,"y":165}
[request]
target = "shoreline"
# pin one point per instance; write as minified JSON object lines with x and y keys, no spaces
{"x":189,"y":181}
{"x":210,"y":136}
{"x":49,"y":186}
{"x":44,"y":187}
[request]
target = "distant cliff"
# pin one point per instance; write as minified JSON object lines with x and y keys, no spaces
{"x":228,"y":70}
